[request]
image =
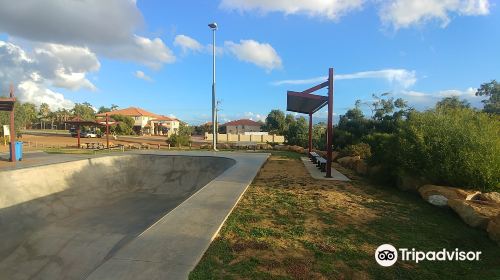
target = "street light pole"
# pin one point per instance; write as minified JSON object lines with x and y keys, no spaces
{"x":213,"y":26}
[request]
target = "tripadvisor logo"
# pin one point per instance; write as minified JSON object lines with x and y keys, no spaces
{"x":387,"y":255}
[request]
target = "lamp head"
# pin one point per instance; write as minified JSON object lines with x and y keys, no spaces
{"x":213,"y":26}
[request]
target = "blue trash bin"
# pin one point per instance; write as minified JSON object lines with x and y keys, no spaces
{"x":19,"y":150}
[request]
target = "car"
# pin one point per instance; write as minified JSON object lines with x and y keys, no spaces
{"x":88,"y":134}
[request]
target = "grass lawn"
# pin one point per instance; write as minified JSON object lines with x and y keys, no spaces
{"x":290,"y":226}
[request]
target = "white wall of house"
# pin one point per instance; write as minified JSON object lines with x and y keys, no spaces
{"x":141,"y":120}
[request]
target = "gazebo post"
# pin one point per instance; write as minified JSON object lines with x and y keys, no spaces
{"x":329,"y":134}
{"x":78,"y":135}
{"x":107,"y":131}
{"x":12,"y":129}
{"x":310,"y":131}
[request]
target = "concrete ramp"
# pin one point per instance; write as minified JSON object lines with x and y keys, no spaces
{"x":63,"y":221}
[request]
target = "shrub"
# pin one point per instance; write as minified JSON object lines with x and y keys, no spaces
{"x":458,"y":147}
{"x":362,"y":150}
{"x":178,"y":140}
{"x":381,"y":146}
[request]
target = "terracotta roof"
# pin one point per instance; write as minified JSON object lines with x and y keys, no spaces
{"x":242,"y":122}
{"x":131,"y":111}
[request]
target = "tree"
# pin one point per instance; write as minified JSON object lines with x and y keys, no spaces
{"x":275,"y":122}
{"x":103,"y":109}
{"x":492,"y":91}
{"x":452,"y":102}
{"x":43,"y":114}
{"x":84,"y":111}
{"x":297,"y":132}
{"x":183,"y":136}
{"x":124,"y":126}
{"x":25,"y":114}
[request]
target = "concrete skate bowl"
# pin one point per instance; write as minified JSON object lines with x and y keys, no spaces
{"x":62,"y":221}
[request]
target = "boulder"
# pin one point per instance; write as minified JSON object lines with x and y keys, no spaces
{"x":281,"y":147}
{"x":297,"y":149}
{"x":407,"y":182}
{"x":349,"y":162}
{"x":439,"y":195}
{"x":493,"y":197}
{"x":361,"y":167}
{"x":335,"y":155}
{"x":493,"y":229}
{"x":474,"y":213}
{"x":223,"y":146}
{"x":264,"y":147}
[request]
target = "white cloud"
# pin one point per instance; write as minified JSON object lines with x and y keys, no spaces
{"x":66,"y":66}
{"x":253,"y":116}
{"x":398,"y":77}
{"x":406,"y":13}
{"x":424,"y":100}
{"x":150,"y":52}
{"x":47,"y":65}
{"x":401,"y":77}
{"x":395,"y":13}
{"x":187,"y":43}
{"x":106,"y":27}
{"x":141,"y":75}
{"x":260,"y":54}
{"x":330,"y":9}
{"x":30,"y":91}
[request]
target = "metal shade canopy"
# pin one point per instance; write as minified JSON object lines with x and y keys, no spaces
{"x":305,"y":103}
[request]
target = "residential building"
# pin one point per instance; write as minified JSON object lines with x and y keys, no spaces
{"x":242,"y":126}
{"x":148,"y":123}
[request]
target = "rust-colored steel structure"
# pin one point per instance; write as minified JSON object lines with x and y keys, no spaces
{"x":307,"y":103}
{"x":8,"y":104}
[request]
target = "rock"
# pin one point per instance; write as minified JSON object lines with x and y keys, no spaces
{"x":281,"y":147}
{"x":297,"y":149}
{"x":493,"y":229}
{"x":441,"y":194}
{"x":491,"y":197}
{"x":407,"y":182}
{"x":361,"y":167}
{"x":438,"y":200}
{"x":349,"y":162}
{"x":474,"y":213}
{"x":264,"y":147}
{"x":205,"y":146}
{"x":223,"y":146}
{"x":335,"y":155}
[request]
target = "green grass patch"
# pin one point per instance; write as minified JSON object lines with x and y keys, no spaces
{"x":268,"y":237}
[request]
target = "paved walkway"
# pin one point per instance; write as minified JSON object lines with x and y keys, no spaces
{"x":38,"y":158}
{"x":317,"y":174}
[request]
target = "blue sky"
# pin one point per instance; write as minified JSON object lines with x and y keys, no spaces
{"x":156,"y":54}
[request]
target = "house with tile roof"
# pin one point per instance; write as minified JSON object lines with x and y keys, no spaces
{"x":146,"y":122}
{"x":242,"y":126}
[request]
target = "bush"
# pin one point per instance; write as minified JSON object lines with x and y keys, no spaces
{"x":381,"y":147}
{"x":178,"y":140}
{"x":456,"y":147}
{"x":362,"y":150}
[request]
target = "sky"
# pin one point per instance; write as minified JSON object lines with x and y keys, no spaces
{"x":157,"y":55}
